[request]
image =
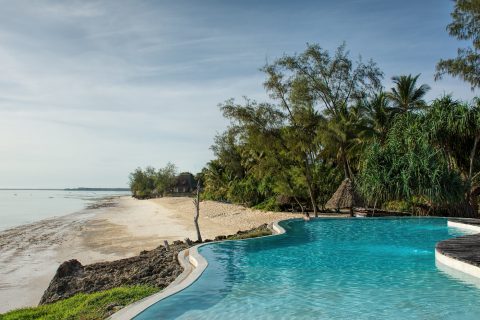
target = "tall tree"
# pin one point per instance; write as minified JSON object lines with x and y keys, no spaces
{"x":309,"y":84}
{"x":465,"y":26}
{"x":343,"y":136}
{"x":405,"y":95}
{"x":379,"y":115}
{"x":333,"y":81}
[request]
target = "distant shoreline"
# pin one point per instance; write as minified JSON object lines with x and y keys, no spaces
{"x":25,"y":206}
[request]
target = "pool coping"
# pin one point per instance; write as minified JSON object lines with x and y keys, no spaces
{"x":464,"y":266}
{"x":193,"y":264}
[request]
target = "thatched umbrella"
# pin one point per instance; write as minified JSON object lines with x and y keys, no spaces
{"x":344,"y":197}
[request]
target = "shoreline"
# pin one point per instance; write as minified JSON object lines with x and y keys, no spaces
{"x":30,"y":254}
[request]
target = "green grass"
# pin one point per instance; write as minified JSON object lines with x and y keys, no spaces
{"x":251,"y":234}
{"x":84,"y":306}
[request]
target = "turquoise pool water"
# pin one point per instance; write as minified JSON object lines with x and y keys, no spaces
{"x":328,"y":269}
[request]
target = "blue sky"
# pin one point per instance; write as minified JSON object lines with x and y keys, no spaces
{"x":89,"y":90}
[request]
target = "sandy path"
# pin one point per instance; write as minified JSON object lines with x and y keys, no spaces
{"x":217,"y":218}
{"x":30,"y":254}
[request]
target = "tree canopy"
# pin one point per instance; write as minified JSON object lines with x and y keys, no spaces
{"x":330,"y":119}
{"x":150,"y":183}
{"x":466,"y":27}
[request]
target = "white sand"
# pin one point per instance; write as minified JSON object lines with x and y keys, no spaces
{"x":30,"y":254}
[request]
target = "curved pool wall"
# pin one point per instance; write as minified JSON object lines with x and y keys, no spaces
{"x":193,"y":265}
{"x":328,"y":269}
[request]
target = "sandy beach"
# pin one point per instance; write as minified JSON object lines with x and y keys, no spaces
{"x":114,"y":229}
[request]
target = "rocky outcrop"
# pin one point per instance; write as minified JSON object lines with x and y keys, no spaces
{"x":157,"y":268}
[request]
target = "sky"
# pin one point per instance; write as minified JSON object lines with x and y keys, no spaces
{"x":90,"y":90}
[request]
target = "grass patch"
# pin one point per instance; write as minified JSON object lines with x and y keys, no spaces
{"x":251,"y":234}
{"x":98,"y":305}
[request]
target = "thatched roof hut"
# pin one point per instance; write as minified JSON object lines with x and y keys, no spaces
{"x":184,"y":183}
{"x":344,"y":197}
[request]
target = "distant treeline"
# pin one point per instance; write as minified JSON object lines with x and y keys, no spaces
{"x":152,"y":183}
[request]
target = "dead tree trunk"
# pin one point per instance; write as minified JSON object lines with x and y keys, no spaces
{"x":301,"y":206}
{"x":196,"y":202}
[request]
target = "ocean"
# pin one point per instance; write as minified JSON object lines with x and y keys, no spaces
{"x":19,"y":207}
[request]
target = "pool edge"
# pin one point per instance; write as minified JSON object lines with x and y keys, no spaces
{"x":457,"y":264}
{"x":193,"y":264}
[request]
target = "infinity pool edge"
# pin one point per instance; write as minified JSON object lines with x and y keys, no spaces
{"x":194,"y":265}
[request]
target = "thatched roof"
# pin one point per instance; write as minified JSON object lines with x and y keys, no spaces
{"x":184,"y":183}
{"x":476,"y":192}
{"x":344,"y":197}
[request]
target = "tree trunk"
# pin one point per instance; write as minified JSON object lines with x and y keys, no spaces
{"x":472,"y":157}
{"x":345,"y":168}
{"x":301,"y":206}
{"x":470,"y":198}
{"x":312,"y":200}
{"x":196,"y":202}
{"x":311,"y":193}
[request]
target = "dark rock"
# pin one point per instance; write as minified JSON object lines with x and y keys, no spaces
{"x":157,"y":267}
{"x":111,"y":306}
{"x":116,"y":308}
{"x":69,"y":268}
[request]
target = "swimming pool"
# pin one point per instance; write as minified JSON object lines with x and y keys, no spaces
{"x":328,"y":269}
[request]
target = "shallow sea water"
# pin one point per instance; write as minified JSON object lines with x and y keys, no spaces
{"x":19,"y":207}
{"x":328,"y":269}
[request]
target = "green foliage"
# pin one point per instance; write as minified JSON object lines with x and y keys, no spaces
{"x":405,"y":96}
{"x":378,"y":115}
{"x":333,"y":81}
{"x":255,"y":233}
{"x":269,"y":204}
{"x":330,"y":119}
{"x":408,"y":166}
{"x":150,"y":183}
{"x":278,"y":149}
{"x":165,"y":178}
{"x":464,"y":27}
{"x":83,"y":306}
{"x":398,"y":206}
